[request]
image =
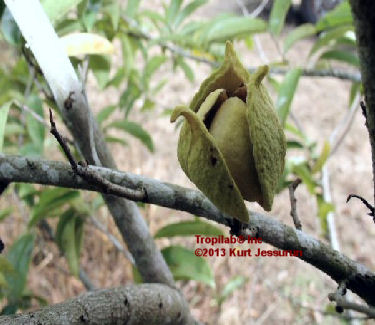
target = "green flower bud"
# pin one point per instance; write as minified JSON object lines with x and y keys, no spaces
{"x":231,"y":144}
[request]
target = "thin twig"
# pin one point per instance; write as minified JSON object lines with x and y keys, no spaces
{"x":44,"y":226}
{"x":293,"y":203}
{"x":112,"y":239}
{"x":62,"y":143}
{"x":364,"y":201}
{"x":92,"y":177}
{"x":297,"y":303}
{"x":34,"y":115}
{"x":343,"y":127}
{"x":258,"y":10}
{"x":342,"y":303}
{"x":254,"y":14}
{"x":333,"y":239}
{"x":86,"y":280}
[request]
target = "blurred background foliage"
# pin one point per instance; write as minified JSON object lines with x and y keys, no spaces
{"x":180,"y":39}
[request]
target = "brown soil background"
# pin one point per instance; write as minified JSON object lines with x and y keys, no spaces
{"x":279,"y":290}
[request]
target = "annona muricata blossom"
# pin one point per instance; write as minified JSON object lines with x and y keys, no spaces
{"x":231,"y":144}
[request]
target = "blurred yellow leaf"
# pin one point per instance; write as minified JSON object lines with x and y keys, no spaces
{"x":86,"y":43}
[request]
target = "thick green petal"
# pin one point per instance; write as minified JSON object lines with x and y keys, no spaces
{"x":204,"y":164}
{"x":230,"y":75}
{"x":266,"y":132}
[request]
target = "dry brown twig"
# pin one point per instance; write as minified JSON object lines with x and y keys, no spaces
{"x":342,"y":303}
{"x":82,"y":169}
{"x":293,"y":203}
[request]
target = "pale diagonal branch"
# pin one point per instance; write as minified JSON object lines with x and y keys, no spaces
{"x":78,"y":117}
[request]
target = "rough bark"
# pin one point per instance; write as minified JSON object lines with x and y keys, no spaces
{"x":339,"y":267}
{"x":133,"y":304}
{"x":364,"y":22}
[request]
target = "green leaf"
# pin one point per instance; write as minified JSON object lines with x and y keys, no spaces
{"x":31,"y":150}
{"x":294,"y":145}
{"x":117,"y":79}
{"x":148,"y":105}
{"x":100,"y":66}
{"x":105,"y":113}
{"x":132,"y":8}
{"x":67,"y":26}
{"x":57,"y":9}
{"x":127,"y":54}
{"x":88,"y":11}
{"x":26,"y":192}
{"x":323,"y":209}
{"x":13,"y":128}
{"x":189,"y":73}
{"x":9,"y":28}
{"x":184,"y":265}
{"x":137,"y":278}
{"x":343,"y":56}
{"x":277,"y":16}
{"x":172,"y":11}
{"x":274,"y":83}
{"x":155,"y":18}
{"x":35,"y":129}
{"x":4,"y":110}
{"x":304,"y":173}
{"x":114,"y":12}
{"x":9,"y":309}
{"x":19,"y":255}
{"x":289,"y":127}
{"x":297,"y":34}
{"x":136,"y":130}
{"x":233,"y":284}
{"x":330,"y":37}
{"x":116,"y":140}
{"x":189,"y":228}
{"x":322,"y":158}
{"x":286,"y":93}
{"x":188,"y":10}
{"x":151,"y":66}
{"x":129,"y":96}
{"x":69,"y":233}
{"x":227,"y":28}
{"x":158,"y":86}
{"x":341,"y":15}
{"x":5,"y":265}
{"x":50,"y":200}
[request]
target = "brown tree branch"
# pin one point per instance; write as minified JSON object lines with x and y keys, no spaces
{"x":339,"y":267}
{"x":133,"y":304}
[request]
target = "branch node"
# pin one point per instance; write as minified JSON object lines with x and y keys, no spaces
{"x":90,"y":176}
{"x":236,"y":227}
